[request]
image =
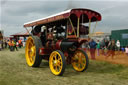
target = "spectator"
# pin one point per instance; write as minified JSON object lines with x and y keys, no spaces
{"x":118,"y":45}
{"x":105,"y":50}
{"x":111,"y":49}
{"x":87,"y":46}
{"x":98,"y":47}
{"x":6,"y":43}
{"x":15,"y":45}
{"x":92,"y":45}
{"x":20,"y":43}
{"x":106,"y":42}
{"x":122,"y":49}
{"x":0,"y":45}
{"x":102,"y":43}
{"x":126,"y":50}
{"x":83,"y":46}
{"x":102,"y":46}
{"x":11,"y":43}
{"x":3,"y":45}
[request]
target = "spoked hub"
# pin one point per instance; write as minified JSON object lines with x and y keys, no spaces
{"x":30,"y":51}
{"x":57,"y":62}
{"x":80,"y":60}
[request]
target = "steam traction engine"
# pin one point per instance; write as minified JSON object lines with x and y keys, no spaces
{"x":57,"y":39}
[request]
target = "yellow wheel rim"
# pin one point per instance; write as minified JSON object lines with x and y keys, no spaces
{"x":79,"y":61}
{"x":55,"y":63}
{"x":30,"y":51}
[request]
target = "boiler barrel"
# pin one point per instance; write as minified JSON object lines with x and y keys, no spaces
{"x":65,"y":45}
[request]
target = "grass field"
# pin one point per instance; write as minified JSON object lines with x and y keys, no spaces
{"x":14,"y":71}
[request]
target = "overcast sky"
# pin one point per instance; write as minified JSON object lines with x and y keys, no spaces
{"x":14,"y":13}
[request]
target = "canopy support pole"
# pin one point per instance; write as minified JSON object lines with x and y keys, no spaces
{"x":89,"y":27}
{"x":27,"y":30}
{"x":67,"y":30}
{"x":94,"y":27}
{"x":72,"y":26}
{"x":78,"y":27}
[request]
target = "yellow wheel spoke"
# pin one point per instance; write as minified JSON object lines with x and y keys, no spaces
{"x":83,"y":64}
{"x":30,"y":59}
{"x":76,"y":56}
{"x":55,"y":62}
{"x":60,"y":67}
{"x":79,"y":54}
{"x":30,"y":51}
{"x":54,"y":56}
{"x":78,"y":65}
{"x":79,"y":60}
{"x":55,"y":67}
{"x":59,"y":60}
{"x":30,"y":45}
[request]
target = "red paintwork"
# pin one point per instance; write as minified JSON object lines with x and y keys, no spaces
{"x":58,"y":44}
{"x":66,"y":54}
{"x":71,"y":36}
{"x":45,"y":51}
{"x":50,"y":46}
{"x":65,"y":15}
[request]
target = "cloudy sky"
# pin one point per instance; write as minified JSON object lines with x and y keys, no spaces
{"x":14,"y":13}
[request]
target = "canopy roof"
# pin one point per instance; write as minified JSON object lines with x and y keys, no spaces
{"x":23,"y":33}
{"x":93,"y":15}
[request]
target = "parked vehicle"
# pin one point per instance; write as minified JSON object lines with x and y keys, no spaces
{"x":57,"y":39}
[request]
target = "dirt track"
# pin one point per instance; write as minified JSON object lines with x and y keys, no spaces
{"x":119,"y":58}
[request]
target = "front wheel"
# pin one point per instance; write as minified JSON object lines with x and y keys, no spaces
{"x":80,"y":60}
{"x":33,"y":58}
{"x":57,"y":63}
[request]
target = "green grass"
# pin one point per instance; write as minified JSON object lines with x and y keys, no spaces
{"x":14,"y":71}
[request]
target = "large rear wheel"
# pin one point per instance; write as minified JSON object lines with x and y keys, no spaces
{"x":57,"y":63}
{"x":33,"y":58}
{"x":80,"y":60}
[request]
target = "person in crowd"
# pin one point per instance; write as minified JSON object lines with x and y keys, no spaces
{"x":102,"y":46}
{"x":11,"y":43}
{"x":83,"y":46}
{"x":123,"y":49}
{"x":92,"y":45}
{"x":126,"y":50}
{"x":118,"y":45}
{"x":6,"y":44}
{"x":106,"y":42}
{"x":98,"y":47}
{"x":0,"y":45}
{"x":105,"y":50}
{"x":87,"y":46}
{"x":111,"y":49}
{"x":20,"y":43}
{"x":15,"y":46}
